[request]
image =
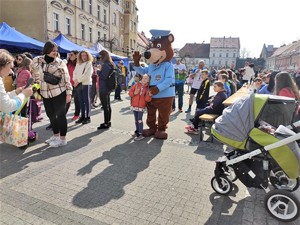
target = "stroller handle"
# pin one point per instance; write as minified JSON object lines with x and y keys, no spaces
{"x":283,"y":142}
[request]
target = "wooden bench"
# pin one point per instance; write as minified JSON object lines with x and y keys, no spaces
{"x":207,"y":118}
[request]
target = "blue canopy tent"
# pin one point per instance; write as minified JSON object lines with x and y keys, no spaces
{"x":65,"y":45}
{"x":16,"y":42}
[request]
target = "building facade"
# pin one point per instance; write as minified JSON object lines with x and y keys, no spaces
{"x":286,"y":57}
{"x":224,"y":51}
{"x":83,"y":22}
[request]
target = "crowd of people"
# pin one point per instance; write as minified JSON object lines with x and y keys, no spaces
{"x":83,"y":78}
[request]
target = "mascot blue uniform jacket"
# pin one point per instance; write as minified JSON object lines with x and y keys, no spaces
{"x":161,"y":76}
{"x":162,"y":82}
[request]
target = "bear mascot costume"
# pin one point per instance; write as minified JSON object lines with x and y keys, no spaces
{"x":162,"y":82}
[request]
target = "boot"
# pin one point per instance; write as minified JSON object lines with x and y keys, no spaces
{"x":161,"y":135}
{"x":149,"y":132}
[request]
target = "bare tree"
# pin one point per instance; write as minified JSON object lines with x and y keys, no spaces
{"x":245,"y":53}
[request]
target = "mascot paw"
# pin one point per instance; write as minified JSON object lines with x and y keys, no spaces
{"x":161,"y":135}
{"x":136,"y":58}
{"x":154,"y":90}
{"x":148,"y":132}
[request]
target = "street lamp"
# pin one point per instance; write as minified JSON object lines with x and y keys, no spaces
{"x":127,"y":51}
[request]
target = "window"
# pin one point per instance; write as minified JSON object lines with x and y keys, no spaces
{"x":90,"y":7}
{"x":214,"y":55}
{"x":82,"y":32}
{"x":104,"y":16}
{"x":220,"y":62}
{"x":104,"y":37}
{"x":226,"y":55}
{"x":91,"y":34}
{"x":220,"y":55}
{"x":99,"y":35}
{"x":233,"y":55}
{"x":68,"y":26}
{"x":67,"y":1}
{"x":127,"y":5}
{"x":98,"y":12}
{"x":131,"y":26}
{"x":55,"y":22}
{"x":82,"y":4}
{"x":213,"y":62}
{"x":114,"y":19}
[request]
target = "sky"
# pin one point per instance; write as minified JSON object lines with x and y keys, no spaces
{"x":255,"y":22}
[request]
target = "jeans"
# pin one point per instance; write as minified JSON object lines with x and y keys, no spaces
{"x":76,"y":102}
{"x":105,"y":101}
{"x":84,"y":100}
{"x":138,"y":117}
{"x":179,"y":89}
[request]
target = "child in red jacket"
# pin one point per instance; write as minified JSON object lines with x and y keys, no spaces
{"x":140,"y":95}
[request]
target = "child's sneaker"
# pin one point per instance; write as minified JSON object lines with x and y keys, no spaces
{"x":57,"y":143}
{"x":192,"y":130}
{"x":136,"y":133}
{"x":138,"y":138}
{"x":53,"y":138}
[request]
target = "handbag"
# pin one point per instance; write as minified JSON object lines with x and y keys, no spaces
{"x":51,"y":79}
{"x":13,"y":129}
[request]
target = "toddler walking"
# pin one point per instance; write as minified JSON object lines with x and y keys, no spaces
{"x":140,"y":95}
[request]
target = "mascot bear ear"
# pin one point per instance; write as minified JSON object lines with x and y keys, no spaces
{"x":171,"y":38}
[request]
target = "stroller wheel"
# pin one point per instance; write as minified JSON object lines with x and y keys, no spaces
{"x":279,"y":180}
{"x":282,"y":205}
{"x":225,"y":186}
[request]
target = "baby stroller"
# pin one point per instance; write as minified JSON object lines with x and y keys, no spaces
{"x":261,"y":153}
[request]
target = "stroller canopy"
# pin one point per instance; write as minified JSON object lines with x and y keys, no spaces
{"x":239,"y":119}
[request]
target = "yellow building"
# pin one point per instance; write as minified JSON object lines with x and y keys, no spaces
{"x":84,"y":22}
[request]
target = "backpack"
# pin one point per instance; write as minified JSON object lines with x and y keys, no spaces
{"x":111,"y":81}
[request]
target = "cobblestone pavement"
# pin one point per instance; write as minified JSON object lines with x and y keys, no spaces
{"x":104,"y":177}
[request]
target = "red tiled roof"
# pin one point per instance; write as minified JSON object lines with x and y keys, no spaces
{"x":194,"y":50}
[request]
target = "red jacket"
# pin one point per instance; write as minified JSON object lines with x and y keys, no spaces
{"x":23,"y":76}
{"x":140,"y":100}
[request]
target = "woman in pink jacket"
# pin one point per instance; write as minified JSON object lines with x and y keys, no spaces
{"x":140,"y":95}
{"x":23,"y":76}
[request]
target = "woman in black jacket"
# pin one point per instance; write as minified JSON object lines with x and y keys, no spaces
{"x":104,"y":92}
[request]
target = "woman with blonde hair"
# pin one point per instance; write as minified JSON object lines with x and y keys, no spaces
{"x":10,"y":101}
{"x":82,"y":77}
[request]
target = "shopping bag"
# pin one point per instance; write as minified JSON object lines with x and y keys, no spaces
{"x":13,"y":129}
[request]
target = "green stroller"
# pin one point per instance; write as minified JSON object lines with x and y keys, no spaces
{"x":259,"y":128}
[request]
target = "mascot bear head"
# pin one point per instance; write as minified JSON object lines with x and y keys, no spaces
{"x":161,"y":49}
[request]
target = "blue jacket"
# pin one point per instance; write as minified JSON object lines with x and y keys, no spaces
{"x":103,"y":74}
{"x":161,"y":76}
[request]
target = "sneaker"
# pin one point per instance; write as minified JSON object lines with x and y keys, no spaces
{"x":86,"y":120}
{"x":49,"y":127}
{"x":188,"y":110}
{"x":53,"y":138}
{"x":81,"y":119}
{"x":58,"y":142}
{"x":192,"y":130}
{"x":180,"y":110}
{"x":135,"y":133}
{"x":75,"y":118}
{"x":103,"y":126}
{"x":138,"y":138}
